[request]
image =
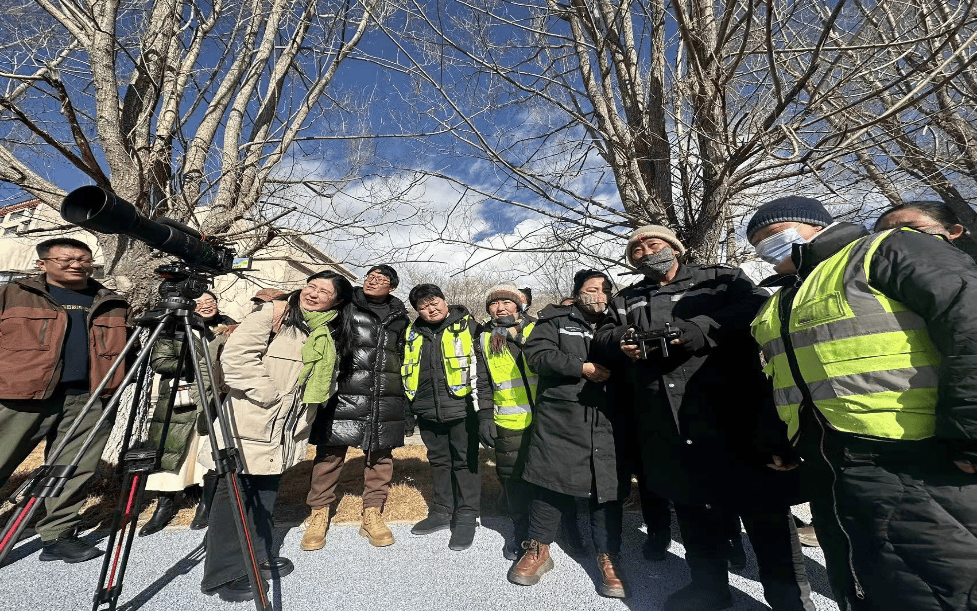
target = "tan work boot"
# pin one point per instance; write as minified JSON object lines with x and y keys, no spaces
{"x":535,"y":563}
{"x":375,"y":528}
{"x":611,"y":582}
{"x":315,"y":533}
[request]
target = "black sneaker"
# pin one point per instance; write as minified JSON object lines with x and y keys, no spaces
{"x":71,"y":549}
{"x":237,"y":591}
{"x":431,"y":524}
{"x":511,"y":550}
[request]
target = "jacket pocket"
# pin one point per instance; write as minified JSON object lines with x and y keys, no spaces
{"x":254,"y":422}
{"x":109,"y":335}
{"x":32,"y":332}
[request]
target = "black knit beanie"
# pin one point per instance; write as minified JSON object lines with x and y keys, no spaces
{"x":792,"y":208}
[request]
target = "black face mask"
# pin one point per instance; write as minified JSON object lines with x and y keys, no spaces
{"x":656,"y":265}
{"x":505,"y":321}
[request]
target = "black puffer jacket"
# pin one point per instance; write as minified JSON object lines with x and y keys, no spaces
{"x":572,"y":449}
{"x":367,"y":410}
{"x":433,"y":400}
{"x":697,"y":410}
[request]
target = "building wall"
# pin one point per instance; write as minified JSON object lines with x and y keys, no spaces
{"x":284,"y":264}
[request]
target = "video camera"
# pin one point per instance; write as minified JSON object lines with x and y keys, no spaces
{"x":648,"y":341}
{"x":98,"y":210}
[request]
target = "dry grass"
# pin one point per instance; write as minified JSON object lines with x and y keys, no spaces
{"x":408,"y":498}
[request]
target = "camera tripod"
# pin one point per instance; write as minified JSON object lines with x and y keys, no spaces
{"x":173,"y":314}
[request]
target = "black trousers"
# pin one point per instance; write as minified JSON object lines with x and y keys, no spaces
{"x":225,"y":558}
{"x":452,"y":451}
{"x":518,"y":498}
{"x":705,"y":533}
{"x":548,"y":507}
{"x":897,"y":521}
{"x":654,"y":508}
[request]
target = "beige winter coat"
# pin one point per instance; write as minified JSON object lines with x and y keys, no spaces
{"x":269,"y":423}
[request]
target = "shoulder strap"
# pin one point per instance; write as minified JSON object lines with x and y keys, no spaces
{"x":277,"y":317}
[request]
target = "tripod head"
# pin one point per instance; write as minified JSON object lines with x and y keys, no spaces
{"x":181,"y":281}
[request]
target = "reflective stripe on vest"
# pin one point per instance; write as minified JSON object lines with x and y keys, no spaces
{"x":868,"y":361}
{"x":513,"y":401}
{"x":457,"y":359}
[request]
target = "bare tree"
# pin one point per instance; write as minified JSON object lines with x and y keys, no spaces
{"x":601,"y":115}
{"x":174,"y":105}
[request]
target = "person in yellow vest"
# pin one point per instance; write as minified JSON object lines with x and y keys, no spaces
{"x":872,"y":354}
{"x":439,"y":381}
{"x":506,"y":390}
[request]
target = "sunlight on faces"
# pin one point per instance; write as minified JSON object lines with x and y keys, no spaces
{"x":432,"y":309}
{"x":377,"y":285}
{"x":596,"y":286}
{"x":65,"y":266}
{"x":503,"y":307}
{"x":806,"y":231}
{"x":206,"y":306}
{"x":649,"y":246}
{"x":920,"y":221}
{"x":318,"y":295}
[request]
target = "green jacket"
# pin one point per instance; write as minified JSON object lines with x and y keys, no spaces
{"x":184,"y":420}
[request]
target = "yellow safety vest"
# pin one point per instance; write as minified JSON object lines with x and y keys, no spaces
{"x":866,"y":359}
{"x":513,"y":398}
{"x":456,"y":355}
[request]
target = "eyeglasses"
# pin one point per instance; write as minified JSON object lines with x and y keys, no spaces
{"x":65,"y":262}
{"x":377,"y":279}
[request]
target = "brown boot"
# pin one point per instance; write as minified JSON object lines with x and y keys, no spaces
{"x":375,"y":528}
{"x":535,"y":563}
{"x":611,"y":582}
{"x":315,"y":533}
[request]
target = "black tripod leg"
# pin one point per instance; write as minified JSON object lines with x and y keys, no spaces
{"x":48,"y":480}
{"x":227,"y":463}
{"x":138,"y":464}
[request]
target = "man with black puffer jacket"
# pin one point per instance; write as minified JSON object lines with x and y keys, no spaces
{"x":872,"y":351}
{"x":367,"y":410}
{"x":439,"y":379}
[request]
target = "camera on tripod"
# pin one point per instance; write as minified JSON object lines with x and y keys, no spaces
{"x":98,"y":210}
{"x":649,"y":342}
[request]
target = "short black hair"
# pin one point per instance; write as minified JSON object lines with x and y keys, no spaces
{"x":387,"y":271}
{"x":936,"y":210}
{"x":582,"y":276}
{"x":44,"y":248}
{"x":422,"y":292}
{"x":209,"y":292}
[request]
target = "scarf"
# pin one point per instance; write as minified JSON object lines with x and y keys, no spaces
{"x":318,"y":357}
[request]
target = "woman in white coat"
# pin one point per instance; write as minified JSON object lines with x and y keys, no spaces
{"x":277,"y":364}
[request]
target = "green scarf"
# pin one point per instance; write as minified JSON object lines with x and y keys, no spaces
{"x":318,"y":356}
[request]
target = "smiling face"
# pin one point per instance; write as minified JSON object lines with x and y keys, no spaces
{"x":432,"y":310}
{"x":376,"y":285}
{"x":503,"y":307}
{"x":649,"y":246}
{"x":318,"y":295}
{"x":207,"y":306}
{"x":67,"y":266}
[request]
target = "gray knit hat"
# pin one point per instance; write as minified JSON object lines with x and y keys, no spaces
{"x":504,"y":291}
{"x":653,"y":231}
{"x":792,"y":208}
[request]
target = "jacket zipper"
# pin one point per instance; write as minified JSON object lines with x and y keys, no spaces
{"x":786,"y":303}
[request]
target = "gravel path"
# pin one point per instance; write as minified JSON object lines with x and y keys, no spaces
{"x":415,"y":573}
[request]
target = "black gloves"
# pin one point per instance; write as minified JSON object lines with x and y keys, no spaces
{"x":692,"y":338}
{"x":486,"y":428}
{"x":410,"y":422}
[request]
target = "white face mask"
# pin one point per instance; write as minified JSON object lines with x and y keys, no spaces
{"x":778,"y":247}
